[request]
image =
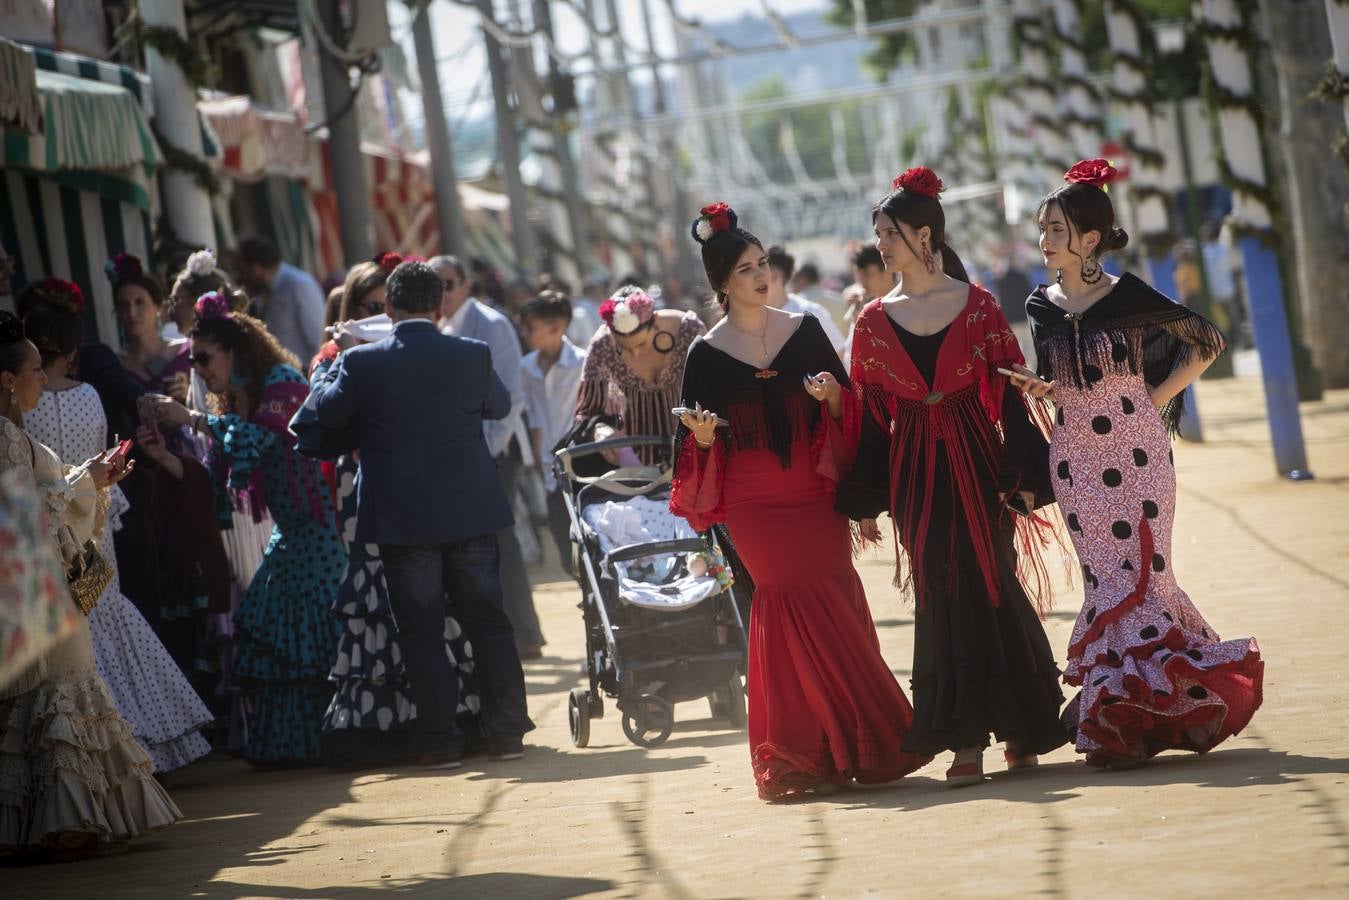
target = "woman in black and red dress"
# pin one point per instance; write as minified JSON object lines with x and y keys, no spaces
{"x":950,"y":452}
{"x":823,"y":705}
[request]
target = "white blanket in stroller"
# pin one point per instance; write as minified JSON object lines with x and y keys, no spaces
{"x":649,"y":582}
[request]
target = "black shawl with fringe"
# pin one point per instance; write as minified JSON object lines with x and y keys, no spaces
{"x":1134,"y":329}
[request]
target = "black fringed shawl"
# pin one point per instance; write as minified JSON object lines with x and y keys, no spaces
{"x":1133,"y":329}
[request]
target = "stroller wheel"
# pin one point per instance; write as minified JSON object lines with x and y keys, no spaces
{"x":578,"y":711}
{"x":648,"y":720}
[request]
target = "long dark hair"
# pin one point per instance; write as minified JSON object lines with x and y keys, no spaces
{"x":916,"y":210}
{"x":255,"y":351}
{"x":13,"y":352}
{"x":55,"y":332}
{"x":1087,"y":208}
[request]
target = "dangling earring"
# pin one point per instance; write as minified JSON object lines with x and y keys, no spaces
{"x":1091,"y":271}
{"x":1058,"y":277}
{"x":928,"y":262}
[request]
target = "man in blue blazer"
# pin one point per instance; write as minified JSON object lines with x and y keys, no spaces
{"x":429,"y":496}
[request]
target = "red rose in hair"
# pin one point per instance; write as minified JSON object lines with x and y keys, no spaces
{"x":60,"y":294}
{"x":713,"y":210}
{"x":919,"y":180}
{"x":388,"y":261}
{"x":720,"y":222}
{"x":1097,"y":172}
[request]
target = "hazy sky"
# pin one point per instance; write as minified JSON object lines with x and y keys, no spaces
{"x":458,"y":41}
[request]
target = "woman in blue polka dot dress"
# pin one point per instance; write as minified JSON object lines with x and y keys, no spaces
{"x":1116,"y":356}
{"x":285,"y":633}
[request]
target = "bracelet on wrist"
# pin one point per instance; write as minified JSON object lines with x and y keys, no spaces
{"x":708,"y":445}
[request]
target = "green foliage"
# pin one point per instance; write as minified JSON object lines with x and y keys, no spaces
{"x":889,"y":50}
{"x":811,"y":129}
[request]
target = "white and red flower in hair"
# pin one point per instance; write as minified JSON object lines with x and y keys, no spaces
{"x":711,"y":219}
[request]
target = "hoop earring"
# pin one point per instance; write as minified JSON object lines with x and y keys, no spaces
{"x":1091,"y":271}
{"x":928,"y":262}
{"x":669,"y":344}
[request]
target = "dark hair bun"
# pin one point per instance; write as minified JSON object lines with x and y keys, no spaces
{"x":1118,"y":239}
{"x":11,"y":328}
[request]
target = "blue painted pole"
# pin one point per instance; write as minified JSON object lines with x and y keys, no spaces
{"x":1269,"y":323}
{"x":1162,"y":272}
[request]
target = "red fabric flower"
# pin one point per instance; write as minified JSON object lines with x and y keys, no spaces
{"x":919,"y":180}
{"x":715,"y":209}
{"x":388,"y":261}
{"x":60,"y":294}
{"x":720,"y":222}
{"x":1097,"y":172}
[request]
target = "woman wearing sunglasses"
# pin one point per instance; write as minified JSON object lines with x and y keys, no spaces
{"x":285,"y":637}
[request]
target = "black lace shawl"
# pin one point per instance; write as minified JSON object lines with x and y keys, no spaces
{"x":1133,"y":329}
{"x":764,"y":412}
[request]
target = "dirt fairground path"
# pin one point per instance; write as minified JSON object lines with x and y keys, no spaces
{"x":1265,"y":814}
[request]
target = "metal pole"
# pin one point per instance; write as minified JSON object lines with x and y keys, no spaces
{"x":645,"y":225}
{"x":685,"y":265}
{"x":449,"y":213}
{"x":344,"y":143}
{"x":186,"y":202}
{"x":561,"y":128}
{"x":508,"y":142}
{"x":1242,"y":146}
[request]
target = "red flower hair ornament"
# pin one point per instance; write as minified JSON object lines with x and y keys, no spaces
{"x":388,"y":261}
{"x":214,"y":305}
{"x":123,"y":267}
{"x":919,"y":180}
{"x":711,"y":219}
{"x":1095,"y":172}
{"x":61,"y":295}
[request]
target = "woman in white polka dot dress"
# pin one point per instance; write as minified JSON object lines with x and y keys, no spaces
{"x":150,"y":691}
{"x":1116,"y":356}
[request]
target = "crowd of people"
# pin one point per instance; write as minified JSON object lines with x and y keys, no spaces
{"x":306,"y":551}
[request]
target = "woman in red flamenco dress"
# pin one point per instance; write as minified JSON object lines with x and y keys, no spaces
{"x":824,"y":707}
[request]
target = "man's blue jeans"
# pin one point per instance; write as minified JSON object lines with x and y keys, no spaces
{"x":422,"y":579}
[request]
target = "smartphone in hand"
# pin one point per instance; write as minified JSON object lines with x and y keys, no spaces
{"x":145,"y":408}
{"x":116,"y":457}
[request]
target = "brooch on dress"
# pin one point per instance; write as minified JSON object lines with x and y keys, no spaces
{"x":766,"y":374}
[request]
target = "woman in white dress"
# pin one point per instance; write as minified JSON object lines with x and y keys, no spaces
{"x":72,"y":777}
{"x":150,"y":690}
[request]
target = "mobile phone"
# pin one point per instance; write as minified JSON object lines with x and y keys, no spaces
{"x":145,"y":408}
{"x":118,"y":454}
{"x":680,"y":410}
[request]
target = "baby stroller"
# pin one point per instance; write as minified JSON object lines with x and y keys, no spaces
{"x":661,"y":622}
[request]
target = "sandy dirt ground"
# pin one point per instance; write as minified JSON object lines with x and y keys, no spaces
{"x":1265,"y":814}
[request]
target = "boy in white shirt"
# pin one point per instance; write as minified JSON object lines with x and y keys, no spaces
{"x":551,"y":376}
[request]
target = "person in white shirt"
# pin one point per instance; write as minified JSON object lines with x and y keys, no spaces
{"x":551,"y":373}
{"x":463,"y":316}
{"x":780,"y":267}
{"x":806,"y":282}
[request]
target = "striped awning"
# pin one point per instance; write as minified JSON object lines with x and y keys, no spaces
{"x":20,"y":105}
{"x":257,"y":142}
{"x":136,"y":83}
{"x":53,"y":228}
{"x":89,"y":125}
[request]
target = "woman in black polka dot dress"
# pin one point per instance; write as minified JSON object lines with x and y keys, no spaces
{"x":1115,"y":356}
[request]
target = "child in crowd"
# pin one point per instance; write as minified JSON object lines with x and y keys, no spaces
{"x":551,"y":375}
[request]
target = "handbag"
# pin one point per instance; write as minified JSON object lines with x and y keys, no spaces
{"x":88,"y":578}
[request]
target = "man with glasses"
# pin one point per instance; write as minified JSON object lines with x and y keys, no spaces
{"x":463,"y":316}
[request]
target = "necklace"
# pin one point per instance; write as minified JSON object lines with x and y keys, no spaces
{"x":762,"y":336}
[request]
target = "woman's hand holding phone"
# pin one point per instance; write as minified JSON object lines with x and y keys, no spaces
{"x":1029,"y":382}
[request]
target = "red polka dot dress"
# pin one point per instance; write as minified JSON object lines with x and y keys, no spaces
{"x":1154,"y":674}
